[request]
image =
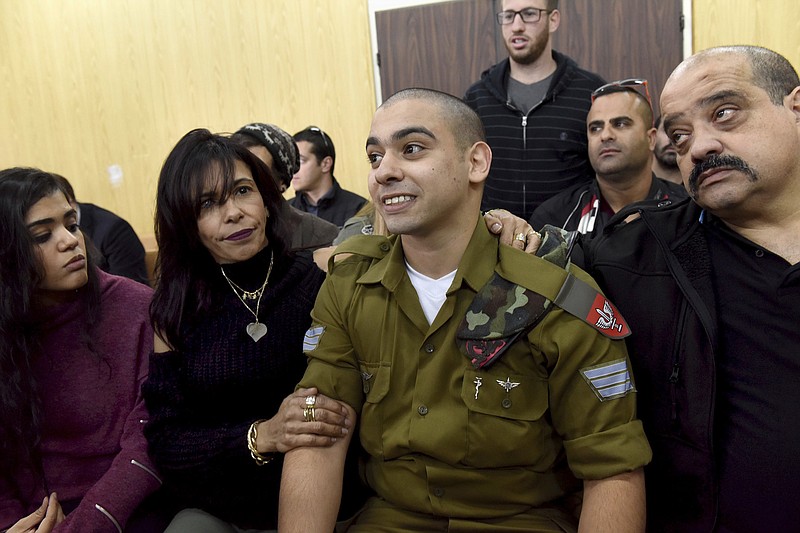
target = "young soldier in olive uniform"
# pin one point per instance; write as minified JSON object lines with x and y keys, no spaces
{"x":465,"y":429}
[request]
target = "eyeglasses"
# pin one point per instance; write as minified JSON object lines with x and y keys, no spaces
{"x":529,"y":14}
{"x":617,"y":86}
{"x":322,"y":134}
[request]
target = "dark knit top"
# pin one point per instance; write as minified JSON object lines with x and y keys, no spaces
{"x":93,"y":451}
{"x":203,"y":399}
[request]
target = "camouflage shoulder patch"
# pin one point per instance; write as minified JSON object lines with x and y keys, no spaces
{"x":497,"y":316}
{"x":503,"y":310}
{"x":312,"y":338}
{"x":609,"y":380}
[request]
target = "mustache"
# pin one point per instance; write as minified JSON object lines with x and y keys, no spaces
{"x":719,"y":161}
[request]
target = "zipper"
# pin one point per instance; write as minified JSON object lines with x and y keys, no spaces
{"x":676,"y":365}
{"x":524,"y":132}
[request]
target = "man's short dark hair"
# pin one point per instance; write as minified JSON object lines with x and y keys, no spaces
{"x":464,"y":122}
{"x":321,"y":143}
{"x":66,"y":187}
{"x":647,"y":114}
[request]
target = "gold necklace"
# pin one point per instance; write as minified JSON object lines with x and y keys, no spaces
{"x":256,"y":329}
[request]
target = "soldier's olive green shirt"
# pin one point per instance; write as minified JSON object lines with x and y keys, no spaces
{"x":444,"y":438}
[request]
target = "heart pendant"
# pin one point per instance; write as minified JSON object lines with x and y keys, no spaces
{"x":256,"y":330}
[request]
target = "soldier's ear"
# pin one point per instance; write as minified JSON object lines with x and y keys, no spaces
{"x":793,"y":102}
{"x":480,"y":159}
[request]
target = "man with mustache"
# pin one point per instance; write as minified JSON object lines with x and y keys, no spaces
{"x":711,"y":287}
{"x":533,"y":107}
{"x":621,"y":141}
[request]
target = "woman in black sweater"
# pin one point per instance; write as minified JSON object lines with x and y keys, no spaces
{"x":230,"y":309}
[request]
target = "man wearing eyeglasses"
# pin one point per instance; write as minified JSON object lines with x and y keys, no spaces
{"x":533,"y":106}
{"x":317,"y":191}
{"x":621,"y":142}
{"x":711,"y":288}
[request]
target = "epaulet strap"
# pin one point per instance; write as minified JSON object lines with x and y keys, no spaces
{"x":371,"y":246}
{"x":502,"y":311}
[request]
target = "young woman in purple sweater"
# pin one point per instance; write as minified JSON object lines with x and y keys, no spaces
{"x":74,"y":343}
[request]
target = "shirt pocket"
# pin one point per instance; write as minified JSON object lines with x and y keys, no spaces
{"x":506,"y":421}
{"x":375,"y":379}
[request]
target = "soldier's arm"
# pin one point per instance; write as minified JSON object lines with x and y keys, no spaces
{"x":614,"y":504}
{"x":311,"y":486}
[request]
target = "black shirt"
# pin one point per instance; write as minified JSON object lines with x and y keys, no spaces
{"x":758,"y":386}
{"x":336,"y":206}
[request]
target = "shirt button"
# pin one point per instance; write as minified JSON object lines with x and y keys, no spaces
{"x":423,"y":410}
{"x":429,"y":348}
{"x":438,"y":492}
{"x":759,"y":253}
{"x":385,"y":247}
{"x":506,"y":403}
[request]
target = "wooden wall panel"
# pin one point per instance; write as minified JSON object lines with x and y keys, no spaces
{"x":85,"y":84}
{"x":774,"y":24}
{"x":620,"y":39}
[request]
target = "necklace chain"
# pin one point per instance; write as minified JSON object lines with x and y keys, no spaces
{"x":247,"y":295}
{"x":250,"y":295}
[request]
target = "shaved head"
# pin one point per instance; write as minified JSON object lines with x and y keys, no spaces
{"x":464,"y":123}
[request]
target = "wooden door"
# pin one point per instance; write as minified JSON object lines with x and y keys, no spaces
{"x":447,"y":45}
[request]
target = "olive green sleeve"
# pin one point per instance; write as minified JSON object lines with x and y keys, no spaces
{"x":592,"y":396}
{"x":332,"y":366}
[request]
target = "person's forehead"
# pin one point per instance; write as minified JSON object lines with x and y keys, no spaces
{"x":406,"y":114}
{"x":519,"y":5}
{"x":263,"y":154}
{"x":303,"y":147}
{"x":693,"y":84}
{"x":55,"y":202}
{"x":619,"y":103}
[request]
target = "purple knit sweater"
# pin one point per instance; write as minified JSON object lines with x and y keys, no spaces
{"x":93,"y":450}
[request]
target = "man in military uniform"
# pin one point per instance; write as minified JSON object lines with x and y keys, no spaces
{"x":487,"y":381}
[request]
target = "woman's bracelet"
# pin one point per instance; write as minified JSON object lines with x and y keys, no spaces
{"x":252,"y":436}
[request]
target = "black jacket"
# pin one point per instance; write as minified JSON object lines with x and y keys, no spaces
{"x":336,"y":206}
{"x":121,"y":251}
{"x":537,"y":155}
{"x":657,"y":270}
{"x":575,"y":210}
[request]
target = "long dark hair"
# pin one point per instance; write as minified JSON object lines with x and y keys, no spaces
{"x":21,"y":272}
{"x":185,"y":268}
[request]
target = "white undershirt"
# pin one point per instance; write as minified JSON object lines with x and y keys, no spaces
{"x":431,"y":292}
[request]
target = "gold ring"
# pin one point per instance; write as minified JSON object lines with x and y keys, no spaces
{"x":520,"y":237}
{"x":534,"y":232}
{"x":311,"y":400}
{"x":308,"y":414}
